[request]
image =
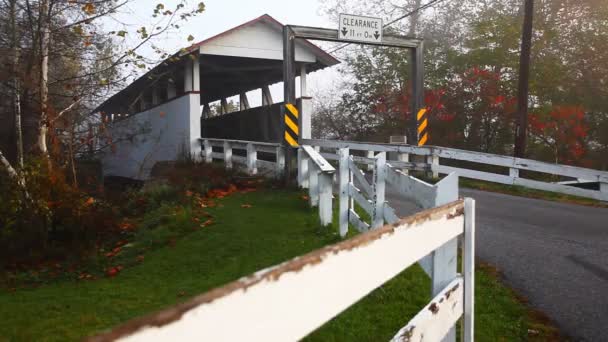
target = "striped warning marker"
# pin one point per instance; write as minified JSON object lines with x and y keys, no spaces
{"x":292,"y":130}
{"x":423,"y":122}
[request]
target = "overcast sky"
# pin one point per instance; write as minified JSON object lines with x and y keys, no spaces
{"x":221,"y":15}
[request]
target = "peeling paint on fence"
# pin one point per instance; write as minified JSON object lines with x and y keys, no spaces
{"x":320,"y":285}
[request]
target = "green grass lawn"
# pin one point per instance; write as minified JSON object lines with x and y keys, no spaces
{"x":276,"y":227}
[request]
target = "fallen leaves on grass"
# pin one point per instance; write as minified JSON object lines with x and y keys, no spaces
{"x":246,"y":205}
{"x":207,"y":223}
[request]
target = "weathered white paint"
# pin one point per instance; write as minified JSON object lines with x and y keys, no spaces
{"x":355,"y":220}
{"x":468,"y":270}
{"x":228,"y":154}
{"x":343,"y":182}
{"x":319,"y":285}
{"x":325,"y":198}
{"x":356,"y":195}
{"x":280,"y":161}
{"x":258,"y":40}
{"x":319,"y":162}
{"x":370,"y":155}
{"x":303,"y":161}
{"x":313,"y":184}
{"x":158,"y":134}
{"x":379,"y":185}
{"x":305,"y":106}
{"x":436,"y":320}
{"x":360,"y":177}
{"x":514,"y":165}
{"x":208,"y":150}
{"x":433,"y":160}
{"x":252,"y":158}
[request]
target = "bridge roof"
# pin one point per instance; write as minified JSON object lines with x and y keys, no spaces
{"x":241,"y":59}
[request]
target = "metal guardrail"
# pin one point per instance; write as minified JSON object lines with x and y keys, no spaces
{"x":434,"y":154}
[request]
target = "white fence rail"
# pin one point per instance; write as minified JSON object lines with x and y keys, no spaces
{"x":434,"y":154}
{"x":288,"y":301}
{"x":251,"y":161}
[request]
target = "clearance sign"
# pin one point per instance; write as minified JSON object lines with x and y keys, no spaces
{"x":360,"y":29}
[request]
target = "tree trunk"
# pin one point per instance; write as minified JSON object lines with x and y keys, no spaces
{"x":44,"y":73}
{"x":521,"y":127}
{"x":16,"y":85}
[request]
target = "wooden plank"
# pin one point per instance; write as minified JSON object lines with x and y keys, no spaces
{"x":322,"y":165}
{"x":437,"y":318}
{"x":355,"y":220}
{"x":313,"y":184}
{"x":468,"y":270}
{"x":361,"y":146}
{"x":564,"y":189}
{"x":413,"y":189}
{"x":485,"y":176}
{"x":325,"y":198}
{"x":265,"y":164}
{"x":529,"y":183}
{"x":220,"y":142}
{"x":389,"y":214}
{"x":355,"y":194}
{"x":228,"y":155}
{"x":280,"y":161}
{"x":343,"y":180}
{"x":379,"y":187}
{"x":252,"y":157}
{"x":319,"y":285}
{"x":302,"y":169}
{"x":360,"y":178}
{"x":520,"y":163}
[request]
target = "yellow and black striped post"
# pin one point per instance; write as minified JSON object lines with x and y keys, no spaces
{"x":423,"y":122}
{"x":292,"y":130}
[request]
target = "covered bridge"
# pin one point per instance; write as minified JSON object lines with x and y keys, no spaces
{"x":164,"y":113}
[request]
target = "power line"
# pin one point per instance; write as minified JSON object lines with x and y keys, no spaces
{"x":414,"y":11}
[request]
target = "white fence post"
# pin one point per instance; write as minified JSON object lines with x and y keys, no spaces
{"x":513,"y":173}
{"x":313,"y":184}
{"x":445,"y":258}
{"x":343,"y":180}
{"x":604,"y":189}
{"x":468,"y":270}
{"x":325,"y":198}
{"x":208,"y":151}
{"x":228,"y":155}
{"x":379,"y":189}
{"x":433,"y":161}
{"x":252,"y":159}
{"x":370,"y":154}
{"x":302,"y":169}
{"x":280,"y":161}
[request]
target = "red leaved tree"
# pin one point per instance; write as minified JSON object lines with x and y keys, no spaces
{"x":562,"y":131}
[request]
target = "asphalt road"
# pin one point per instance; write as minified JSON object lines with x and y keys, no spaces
{"x":554,"y":254}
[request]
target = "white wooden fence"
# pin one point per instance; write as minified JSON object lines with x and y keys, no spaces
{"x":288,"y":301}
{"x":433,"y":156}
{"x":251,"y":161}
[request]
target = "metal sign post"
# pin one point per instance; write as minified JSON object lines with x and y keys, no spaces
{"x":358,"y":30}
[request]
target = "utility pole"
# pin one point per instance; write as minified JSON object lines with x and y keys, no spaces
{"x":521,"y":126}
